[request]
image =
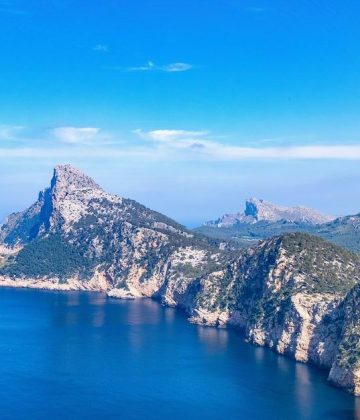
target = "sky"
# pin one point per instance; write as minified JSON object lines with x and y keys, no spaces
{"x":189,"y":107}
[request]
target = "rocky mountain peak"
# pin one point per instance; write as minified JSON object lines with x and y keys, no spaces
{"x":73,"y":198}
{"x":260,"y":209}
{"x":57,"y":207}
{"x":294,"y":293}
{"x":265,"y":210}
{"x":257,"y":210}
{"x":68,"y":178}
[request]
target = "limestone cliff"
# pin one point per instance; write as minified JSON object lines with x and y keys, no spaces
{"x":294,"y":293}
{"x":345,"y":371}
{"x":77,"y":231}
{"x":258,"y":210}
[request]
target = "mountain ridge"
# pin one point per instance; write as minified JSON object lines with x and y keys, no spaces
{"x":294,"y":293}
{"x":343,"y":230}
{"x":257,"y":210}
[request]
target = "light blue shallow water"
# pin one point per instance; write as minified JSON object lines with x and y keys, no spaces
{"x":82,"y":355}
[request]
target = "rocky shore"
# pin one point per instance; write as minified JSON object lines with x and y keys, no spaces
{"x":296,"y":294}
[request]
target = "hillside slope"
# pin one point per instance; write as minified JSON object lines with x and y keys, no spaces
{"x":258,"y":210}
{"x":343,"y":231}
{"x":78,"y":236}
{"x":294,"y":293}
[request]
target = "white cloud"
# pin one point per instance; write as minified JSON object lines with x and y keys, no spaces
{"x":146,"y":67}
{"x":177,"y":67}
{"x":198,"y":145}
{"x":9,"y":132}
{"x":167,"y":68}
{"x":169,"y":135}
{"x":75,"y":135}
{"x":194,"y":151}
{"x":157,"y":145}
{"x":101,"y":48}
{"x":233,"y":153}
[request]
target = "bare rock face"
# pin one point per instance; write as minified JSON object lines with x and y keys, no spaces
{"x":66,"y":178}
{"x":345,"y":371}
{"x":88,"y":234}
{"x":257,"y":210}
{"x":294,"y":293}
{"x":60,"y":205}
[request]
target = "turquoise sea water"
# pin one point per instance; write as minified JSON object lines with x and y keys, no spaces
{"x":67,"y":355}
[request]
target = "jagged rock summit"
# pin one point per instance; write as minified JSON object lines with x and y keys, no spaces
{"x":68,"y":178}
{"x":257,"y":210}
{"x":78,"y":236}
{"x":295,"y":293}
{"x":61,"y":204}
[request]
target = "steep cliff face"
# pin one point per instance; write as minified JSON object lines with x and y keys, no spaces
{"x":77,"y":235}
{"x":294,"y":293}
{"x":57,"y":207}
{"x":346,"y":369}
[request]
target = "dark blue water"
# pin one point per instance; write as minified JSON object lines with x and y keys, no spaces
{"x":82,"y":355}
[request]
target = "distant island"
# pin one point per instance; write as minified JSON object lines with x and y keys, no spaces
{"x":293,"y":292}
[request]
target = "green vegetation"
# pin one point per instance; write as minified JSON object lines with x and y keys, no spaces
{"x":49,"y":256}
{"x":343,"y":231}
{"x":303,"y":263}
{"x":248,"y":234}
{"x":349,"y":349}
{"x":140,"y":216}
{"x":190,"y":271}
{"x":313,"y":266}
{"x":327,"y":268}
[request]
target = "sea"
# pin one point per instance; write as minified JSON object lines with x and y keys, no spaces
{"x":80,"y":355}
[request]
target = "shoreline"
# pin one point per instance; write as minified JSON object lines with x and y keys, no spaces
{"x":66,"y":288}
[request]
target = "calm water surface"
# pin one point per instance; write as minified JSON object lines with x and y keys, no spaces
{"x":82,"y":355}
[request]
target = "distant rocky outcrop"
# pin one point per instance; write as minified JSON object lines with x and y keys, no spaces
{"x":257,"y":210}
{"x":264,"y":220}
{"x":294,"y":293}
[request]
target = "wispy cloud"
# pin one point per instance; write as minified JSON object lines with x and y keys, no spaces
{"x":150,"y":66}
{"x":75,"y":135}
{"x":9,"y":132}
{"x":198,"y":152}
{"x":21,"y":136}
{"x":101,"y":48}
{"x":196,"y":143}
{"x":169,"y":135}
{"x":157,"y":145}
{"x":176,"y":67}
{"x":234,"y":153}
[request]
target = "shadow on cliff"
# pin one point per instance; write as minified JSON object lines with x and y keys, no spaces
{"x":324,"y":343}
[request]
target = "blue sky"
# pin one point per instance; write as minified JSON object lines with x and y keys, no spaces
{"x":186,"y":106}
